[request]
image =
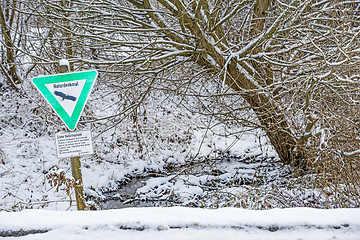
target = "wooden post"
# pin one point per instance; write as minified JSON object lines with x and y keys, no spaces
{"x":75,"y":161}
{"x":79,"y":190}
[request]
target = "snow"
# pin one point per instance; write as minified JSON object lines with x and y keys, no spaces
{"x":184,"y":223}
{"x":357,"y":152}
{"x":167,"y":157}
{"x":159,"y":155}
{"x":65,"y":62}
{"x":213,"y":168}
{"x":121,"y":169}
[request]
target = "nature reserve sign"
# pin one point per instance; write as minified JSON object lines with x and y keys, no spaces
{"x":67,"y":93}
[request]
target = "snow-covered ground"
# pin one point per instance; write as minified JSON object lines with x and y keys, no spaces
{"x":163,"y":156}
{"x":180,"y":223}
{"x":166,"y":157}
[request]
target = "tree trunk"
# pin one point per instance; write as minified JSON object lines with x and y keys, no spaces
{"x":276,"y":127}
{"x":10,"y":55}
{"x":271,"y":118}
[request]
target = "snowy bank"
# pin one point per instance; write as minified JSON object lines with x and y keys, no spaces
{"x":183,"y":223}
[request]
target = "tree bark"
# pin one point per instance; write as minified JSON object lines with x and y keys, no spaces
{"x":10,"y":55}
{"x":271,"y":118}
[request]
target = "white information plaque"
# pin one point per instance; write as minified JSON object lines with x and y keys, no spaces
{"x":73,"y":144}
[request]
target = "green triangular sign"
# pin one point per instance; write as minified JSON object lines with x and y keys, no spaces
{"x":67,"y":93}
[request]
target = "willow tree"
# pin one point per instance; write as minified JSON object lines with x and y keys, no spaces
{"x":294,"y":63}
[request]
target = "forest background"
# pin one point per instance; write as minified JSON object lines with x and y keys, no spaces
{"x":201,"y":103}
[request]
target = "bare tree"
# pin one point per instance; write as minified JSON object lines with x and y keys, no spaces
{"x":9,"y":22}
{"x":294,"y":63}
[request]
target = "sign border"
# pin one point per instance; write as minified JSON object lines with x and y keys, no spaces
{"x":70,"y":121}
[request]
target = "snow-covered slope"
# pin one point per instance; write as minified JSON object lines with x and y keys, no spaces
{"x":159,"y":154}
{"x":163,"y":155}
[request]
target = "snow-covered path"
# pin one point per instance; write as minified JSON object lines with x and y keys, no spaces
{"x":182,"y":223}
